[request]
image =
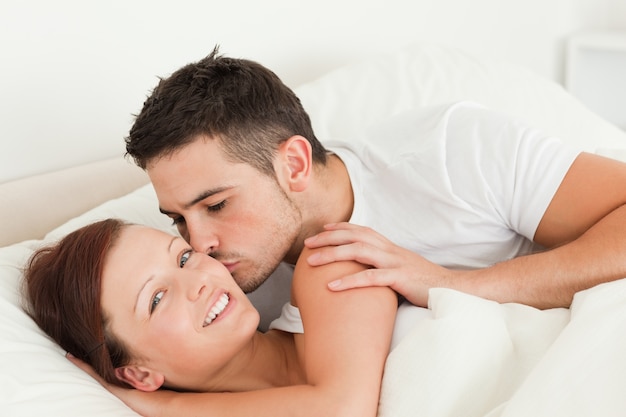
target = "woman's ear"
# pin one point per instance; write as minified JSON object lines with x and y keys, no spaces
{"x":141,"y":378}
{"x":295,"y":163}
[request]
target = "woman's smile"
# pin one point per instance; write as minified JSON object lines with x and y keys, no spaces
{"x":218,"y":309}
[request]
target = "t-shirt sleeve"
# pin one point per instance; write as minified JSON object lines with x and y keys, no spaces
{"x":504,"y":167}
{"x":289,"y":320}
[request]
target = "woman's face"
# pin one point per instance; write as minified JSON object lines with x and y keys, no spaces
{"x":179,"y":312}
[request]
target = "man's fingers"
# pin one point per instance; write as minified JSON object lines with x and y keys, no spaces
{"x":344,"y":233}
{"x":358,"y":251}
{"x":367,"y":278}
{"x":331,"y":238}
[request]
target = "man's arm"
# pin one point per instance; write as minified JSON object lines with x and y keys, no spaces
{"x":584,"y":228}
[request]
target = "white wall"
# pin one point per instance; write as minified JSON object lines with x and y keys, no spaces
{"x":609,"y":14}
{"x":74,"y":71}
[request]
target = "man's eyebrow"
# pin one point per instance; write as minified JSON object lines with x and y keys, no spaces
{"x":151,"y":277}
{"x":197,"y":199}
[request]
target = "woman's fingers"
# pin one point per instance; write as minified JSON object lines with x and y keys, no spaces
{"x":85,"y":368}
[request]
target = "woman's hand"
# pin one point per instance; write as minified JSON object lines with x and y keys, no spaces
{"x":404,"y":271}
{"x":143,"y":403}
{"x":89,"y":370}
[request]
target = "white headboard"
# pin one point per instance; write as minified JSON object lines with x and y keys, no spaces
{"x":74,"y":72}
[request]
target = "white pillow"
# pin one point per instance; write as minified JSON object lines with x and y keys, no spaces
{"x":349,"y":99}
{"x":36,"y":379}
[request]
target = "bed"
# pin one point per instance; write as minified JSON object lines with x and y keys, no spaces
{"x":463,"y":356}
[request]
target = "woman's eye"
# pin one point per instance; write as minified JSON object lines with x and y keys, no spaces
{"x":184,"y":258}
{"x":218,"y":206}
{"x":156,"y":300}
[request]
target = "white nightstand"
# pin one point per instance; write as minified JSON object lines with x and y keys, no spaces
{"x":596,"y":73}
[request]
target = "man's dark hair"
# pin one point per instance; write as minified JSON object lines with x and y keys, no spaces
{"x":236,"y":101}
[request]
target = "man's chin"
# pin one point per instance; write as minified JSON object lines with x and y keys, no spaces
{"x":252,"y":283}
{"x":248,"y":284}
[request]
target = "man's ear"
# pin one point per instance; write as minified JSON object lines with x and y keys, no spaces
{"x":143,"y":379}
{"x":295,"y":162}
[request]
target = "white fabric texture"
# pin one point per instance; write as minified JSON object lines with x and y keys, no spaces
{"x":473,"y":357}
{"x":289,"y":321}
{"x":407,"y":316}
{"x":36,"y":379}
{"x":350,"y":98}
{"x":459,"y":184}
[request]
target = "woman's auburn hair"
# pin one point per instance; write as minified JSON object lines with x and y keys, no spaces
{"x":63,"y":286}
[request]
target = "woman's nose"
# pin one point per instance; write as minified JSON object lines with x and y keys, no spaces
{"x":194,"y":287}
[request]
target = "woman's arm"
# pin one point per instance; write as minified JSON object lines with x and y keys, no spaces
{"x":346,"y":339}
{"x":343,"y":351}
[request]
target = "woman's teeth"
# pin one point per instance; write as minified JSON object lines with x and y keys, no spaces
{"x":219,"y":306}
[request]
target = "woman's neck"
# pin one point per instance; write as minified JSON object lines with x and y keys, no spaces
{"x":269,"y":361}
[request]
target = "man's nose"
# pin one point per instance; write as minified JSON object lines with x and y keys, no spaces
{"x":203,"y":240}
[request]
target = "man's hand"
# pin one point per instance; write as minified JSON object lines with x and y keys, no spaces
{"x":404,"y":271}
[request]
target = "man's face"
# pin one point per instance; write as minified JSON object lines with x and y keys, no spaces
{"x":241,"y":217}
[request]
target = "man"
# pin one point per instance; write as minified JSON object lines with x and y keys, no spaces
{"x":466,"y":198}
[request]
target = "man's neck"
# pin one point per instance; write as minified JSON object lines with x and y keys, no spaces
{"x":339,"y":189}
{"x":330,"y":199}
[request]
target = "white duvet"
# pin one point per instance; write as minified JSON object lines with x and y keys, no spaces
{"x":467,"y":356}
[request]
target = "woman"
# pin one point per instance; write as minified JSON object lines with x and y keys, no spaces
{"x":145,"y":311}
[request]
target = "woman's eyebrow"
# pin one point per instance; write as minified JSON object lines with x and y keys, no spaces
{"x":140,"y":291}
{"x":169,"y":248}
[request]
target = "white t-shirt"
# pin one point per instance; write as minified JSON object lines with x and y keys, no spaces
{"x":459,"y":184}
{"x":462,"y":185}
